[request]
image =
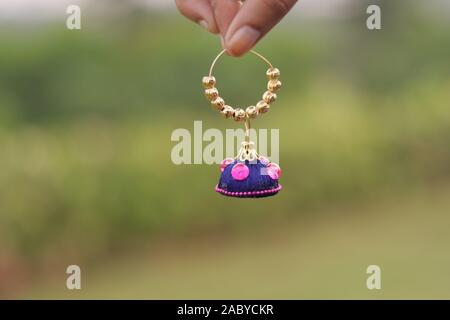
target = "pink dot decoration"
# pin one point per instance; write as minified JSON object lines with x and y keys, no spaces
{"x":240,"y":171}
{"x":225,"y":163}
{"x":264,"y":160}
{"x":274,"y":171}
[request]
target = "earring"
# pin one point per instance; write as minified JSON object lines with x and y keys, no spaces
{"x":248,"y":175}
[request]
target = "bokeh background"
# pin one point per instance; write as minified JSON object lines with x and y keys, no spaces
{"x":86,"y":176}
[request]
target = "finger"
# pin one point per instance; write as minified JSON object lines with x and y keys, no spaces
{"x":252,"y":22}
{"x":199,"y":11}
{"x":224,"y":12}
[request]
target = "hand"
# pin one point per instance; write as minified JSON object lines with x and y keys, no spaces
{"x":240,"y":26}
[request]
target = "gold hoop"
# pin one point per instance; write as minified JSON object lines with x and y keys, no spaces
{"x":251,"y":112}
{"x":252,"y":51}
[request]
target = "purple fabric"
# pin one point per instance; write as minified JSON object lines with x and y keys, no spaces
{"x":257,"y":180}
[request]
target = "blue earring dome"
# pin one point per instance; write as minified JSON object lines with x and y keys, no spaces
{"x":249,"y":179}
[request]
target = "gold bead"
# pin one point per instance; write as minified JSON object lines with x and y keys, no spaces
{"x":252,"y":112}
{"x":269,"y":97}
{"x":218,"y":103}
{"x":273,"y":73}
{"x":211,"y":94}
{"x":262,"y":106}
{"x":274,"y":85}
{"x":209,"y":81}
{"x":227,"y":111}
{"x":239,"y":114}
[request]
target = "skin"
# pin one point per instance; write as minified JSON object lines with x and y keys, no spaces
{"x":240,"y":26}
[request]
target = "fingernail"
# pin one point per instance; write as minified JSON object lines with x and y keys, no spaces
{"x":242,"y":40}
{"x":204,"y":24}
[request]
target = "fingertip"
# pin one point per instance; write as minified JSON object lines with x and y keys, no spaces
{"x":209,"y":26}
{"x":204,"y":24}
{"x":242,"y":41}
{"x":212,"y":27}
{"x":200,"y":12}
{"x":224,"y":13}
{"x":252,"y":22}
{"x":232,"y":53}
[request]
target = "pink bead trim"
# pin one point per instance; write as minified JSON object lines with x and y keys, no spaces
{"x":248,"y":193}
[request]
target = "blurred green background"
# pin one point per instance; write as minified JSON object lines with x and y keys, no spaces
{"x":86,"y":176}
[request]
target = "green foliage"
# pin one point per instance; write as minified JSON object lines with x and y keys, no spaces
{"x":86,"y":119}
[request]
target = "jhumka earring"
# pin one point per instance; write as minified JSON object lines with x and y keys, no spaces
{"x":249,"y":175}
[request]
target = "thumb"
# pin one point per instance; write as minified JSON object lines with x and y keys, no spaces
{"x":252,"y":22}
{"x":224,"y":13}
